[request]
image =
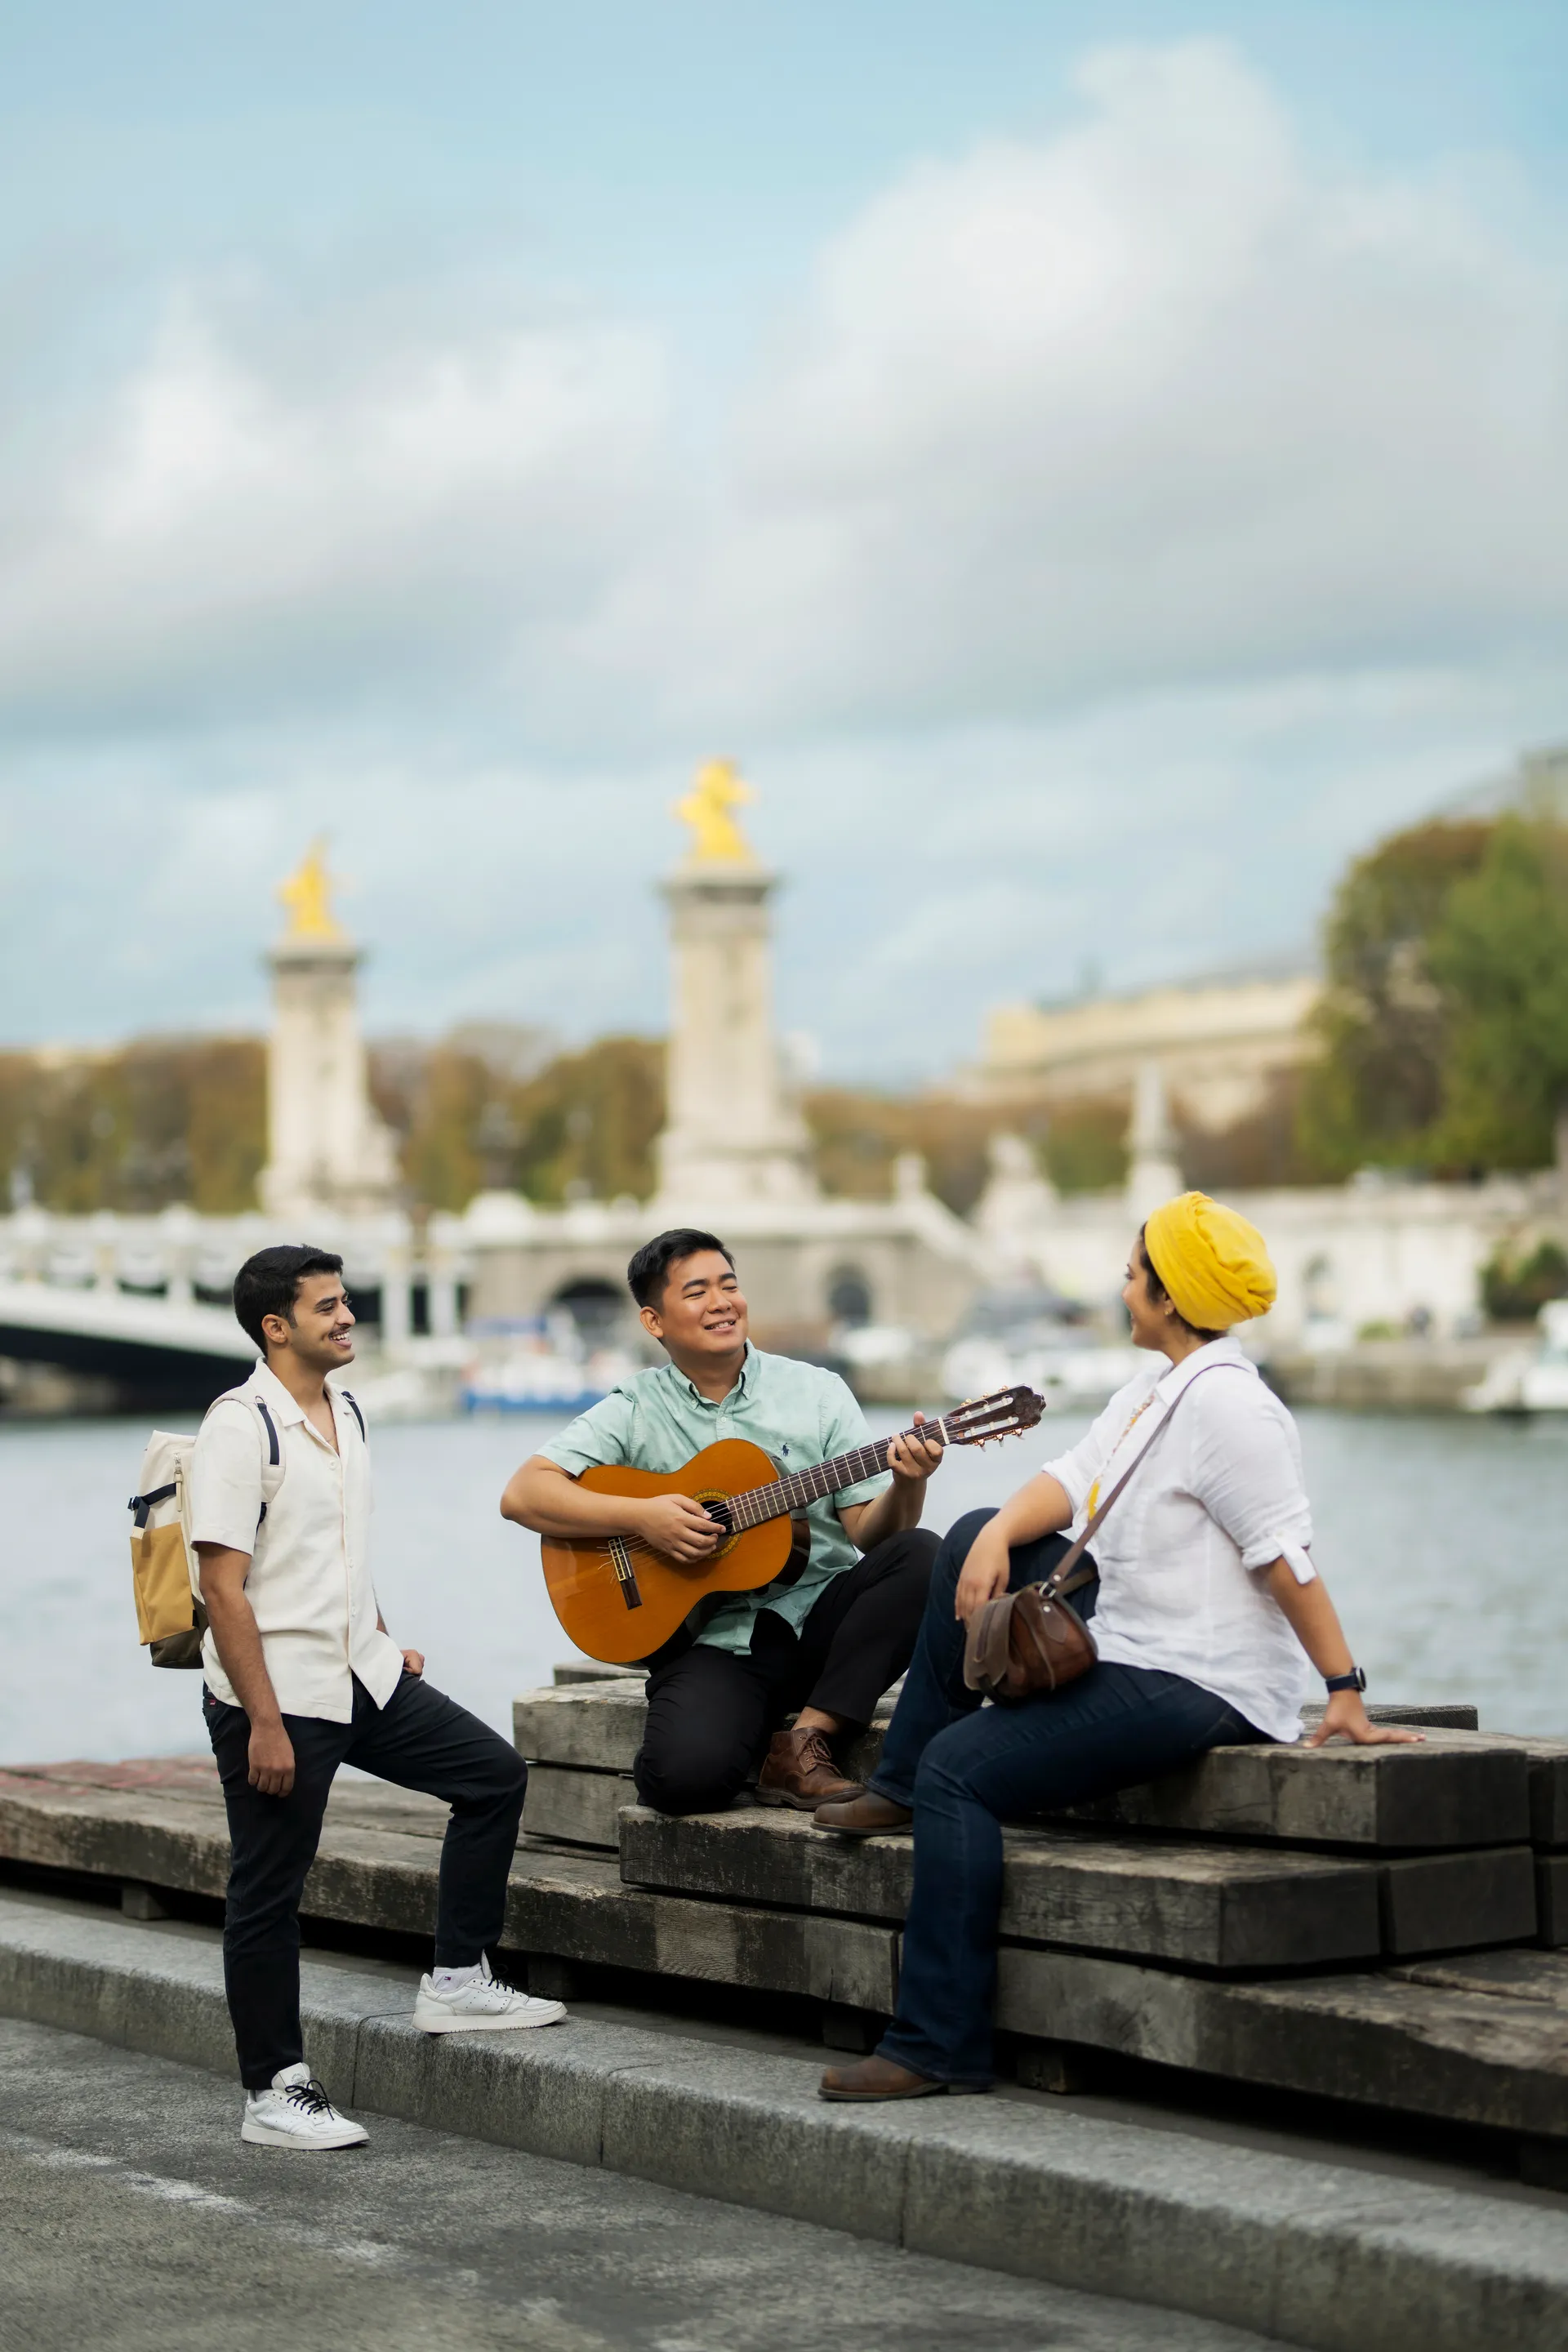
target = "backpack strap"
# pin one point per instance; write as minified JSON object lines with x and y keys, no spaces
{"x":274,"y":1450}
{"x":142,"y":1504}
{"x":269,"y":1438}
{"x":353,"y":1408}
{"x":273,"y":1460}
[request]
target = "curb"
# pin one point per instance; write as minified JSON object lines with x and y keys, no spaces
{"x":1327,"y":2256}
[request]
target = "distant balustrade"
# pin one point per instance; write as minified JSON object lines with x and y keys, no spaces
{"x":412,"y":1282}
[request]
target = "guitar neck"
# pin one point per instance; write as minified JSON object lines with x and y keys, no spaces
{"x":802,"y":1486}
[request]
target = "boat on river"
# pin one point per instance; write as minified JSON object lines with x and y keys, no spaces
{"x":1038,"y":1340}
{"x":1528,"y":1380}
{"x":541,"y":1368}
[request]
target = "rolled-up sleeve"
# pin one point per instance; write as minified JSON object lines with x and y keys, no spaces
{"x":600,"y":1435}
{"x":225,"y":1480}
{"x":1248,"y":1476}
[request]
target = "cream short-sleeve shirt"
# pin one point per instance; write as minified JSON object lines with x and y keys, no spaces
{"x":308,"y":1583}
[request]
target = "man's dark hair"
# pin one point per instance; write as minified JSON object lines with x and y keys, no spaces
{"x":650,"y":1269}
{"x":268,"y":1284}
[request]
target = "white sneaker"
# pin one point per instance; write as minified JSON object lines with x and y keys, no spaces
{"x":483,"y":2005}
{"x":297,"y":2113}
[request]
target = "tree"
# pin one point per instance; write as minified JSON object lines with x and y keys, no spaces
{"x":1375,"y":1093}
{"x":587,"y":1123}
{"x":158,"y":1120}
{"x":1500,"y":956}
{"x":583,"y":1125}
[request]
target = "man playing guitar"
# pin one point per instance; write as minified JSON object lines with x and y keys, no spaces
{"x":827,"y":1644}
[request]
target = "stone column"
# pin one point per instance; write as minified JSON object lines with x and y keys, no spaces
{"x":326,"y":1147}
{"x":396,"y":1289}
{"x":441,"y":1276}
{"x":179,"y":1230}
{"x":104,"y":1228}
{"x":731,"y":1134}
{"x":1153,"y":1176}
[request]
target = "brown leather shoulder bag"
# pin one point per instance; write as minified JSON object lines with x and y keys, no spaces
{"x":1030,"y":1641}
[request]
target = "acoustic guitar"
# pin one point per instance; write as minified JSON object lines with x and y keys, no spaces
{"x":619,"y":1599}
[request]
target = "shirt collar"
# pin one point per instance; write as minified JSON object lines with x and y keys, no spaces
{"x":743,"y":1378}
{"x":1225,"y":1350}
{"x":285,"y":1409}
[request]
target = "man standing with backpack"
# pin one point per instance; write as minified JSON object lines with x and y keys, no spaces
{"x":301,"y":1676}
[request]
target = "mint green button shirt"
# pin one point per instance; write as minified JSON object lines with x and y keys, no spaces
{"x":798,"y":1413}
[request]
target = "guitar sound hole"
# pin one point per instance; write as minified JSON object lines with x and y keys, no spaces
{"x":717,"y":1506}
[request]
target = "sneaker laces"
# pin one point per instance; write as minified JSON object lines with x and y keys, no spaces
{"x":310,"y":2098}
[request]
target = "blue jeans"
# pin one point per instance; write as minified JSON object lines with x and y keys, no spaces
{"x":966,"y":1769}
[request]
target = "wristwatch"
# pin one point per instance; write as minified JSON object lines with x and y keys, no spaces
{"x":1355,"y":1680}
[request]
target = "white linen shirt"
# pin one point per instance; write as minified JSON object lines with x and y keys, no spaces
{"x":1220,"y":1497}
{"x":309,"y":1580}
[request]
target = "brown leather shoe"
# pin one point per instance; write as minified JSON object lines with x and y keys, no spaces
{"x":864,"y":1815}
{"x":876,"y":2078}
{"x":800,"y":1771}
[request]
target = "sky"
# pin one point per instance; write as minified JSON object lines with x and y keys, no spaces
{"x":1096,"y":467}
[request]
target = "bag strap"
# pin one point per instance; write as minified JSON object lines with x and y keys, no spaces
{"x":1062,"y":1579}
{"x":142,"y":1504}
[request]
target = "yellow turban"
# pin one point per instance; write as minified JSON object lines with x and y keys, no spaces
{"x":1213,"y":1263}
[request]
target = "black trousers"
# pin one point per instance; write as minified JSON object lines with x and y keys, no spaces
{"x":711,"y":1713}
{"x":420,"y":1739}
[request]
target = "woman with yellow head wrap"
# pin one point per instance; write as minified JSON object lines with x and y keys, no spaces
{"x":1210,"y":1262}
{"x":1205,"y":1612}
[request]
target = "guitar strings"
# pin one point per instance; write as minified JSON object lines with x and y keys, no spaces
{"x":781,"y":1495}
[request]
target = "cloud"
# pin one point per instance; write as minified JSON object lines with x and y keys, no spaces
{"x":1156,"y":398}
{"x":274,"y":515}
{"x":1125,"y":524}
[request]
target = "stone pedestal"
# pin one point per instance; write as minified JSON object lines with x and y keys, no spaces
{"x":732,"y":1136}
{"x":1014,"y":1214}
{"x":1153,"y":1176}
{"x":327,"y":1149}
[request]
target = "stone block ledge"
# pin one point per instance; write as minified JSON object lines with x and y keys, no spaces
{"x":1337,"y":2257}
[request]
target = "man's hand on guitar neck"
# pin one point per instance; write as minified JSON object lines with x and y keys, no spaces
{"x":911,"y":1459}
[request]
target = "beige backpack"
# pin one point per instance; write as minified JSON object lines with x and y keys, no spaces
{"x":170,"y":1617}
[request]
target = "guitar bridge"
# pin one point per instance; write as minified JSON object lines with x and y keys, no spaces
{"x":625,"y":1574}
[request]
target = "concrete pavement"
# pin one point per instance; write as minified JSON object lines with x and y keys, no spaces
{"x":132,"y":2218}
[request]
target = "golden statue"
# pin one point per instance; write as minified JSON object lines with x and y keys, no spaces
{"x":717,"y":839}
{"x":308,"y":895}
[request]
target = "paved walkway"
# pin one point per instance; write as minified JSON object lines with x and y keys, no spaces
{"x":132,"y":2218}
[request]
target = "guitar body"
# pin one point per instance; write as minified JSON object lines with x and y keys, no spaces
{"x":623,"y":1609}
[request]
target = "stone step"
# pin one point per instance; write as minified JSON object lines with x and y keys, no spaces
{"x":599,"y":1728}
{"x":1457,"y":1789}
{"x":1305,"y":2240}
{"x":1198,"y":1905}
{"x":1482,"y":2039}
{"x":583,"y":1808}
{"x":373,"y":1869}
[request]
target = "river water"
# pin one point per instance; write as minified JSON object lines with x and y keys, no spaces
{"x":1443,"y":1541}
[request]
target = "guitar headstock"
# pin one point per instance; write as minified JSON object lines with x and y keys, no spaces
{"x":1007,"y":1413}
